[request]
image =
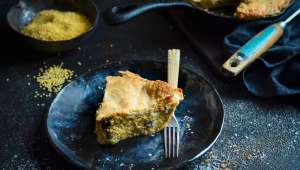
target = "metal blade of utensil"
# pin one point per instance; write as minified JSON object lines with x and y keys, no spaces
{"x":290,"y":18}
{"x":256,"y":46}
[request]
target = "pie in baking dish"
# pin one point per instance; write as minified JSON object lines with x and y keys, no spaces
{"x":254,"y":9}
{"x":249,"y":9}
{"x":134,"y":106}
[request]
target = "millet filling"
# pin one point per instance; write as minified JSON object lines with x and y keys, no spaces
{"x":113,"y":129}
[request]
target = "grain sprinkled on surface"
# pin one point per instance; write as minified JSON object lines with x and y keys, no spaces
{"x":53,"y":78}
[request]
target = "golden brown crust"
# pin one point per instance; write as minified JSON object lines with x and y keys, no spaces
{"x":255,"y":9}
{"x":130,"y":93}
{"x":160,"y":89}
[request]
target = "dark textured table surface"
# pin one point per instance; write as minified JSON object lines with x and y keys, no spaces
{"x":258,"y":133}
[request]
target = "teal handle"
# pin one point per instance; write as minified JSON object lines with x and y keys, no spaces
{"x":254,"y":48}
{"x":258,"y":42}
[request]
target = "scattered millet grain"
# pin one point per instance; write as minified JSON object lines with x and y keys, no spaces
{"x":53,"y":78}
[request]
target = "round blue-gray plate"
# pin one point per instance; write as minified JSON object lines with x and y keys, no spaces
{"x":70,"y":121}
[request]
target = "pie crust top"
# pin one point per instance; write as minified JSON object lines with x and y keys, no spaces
{"x":254,"y":9}
{"x":130,"y":94}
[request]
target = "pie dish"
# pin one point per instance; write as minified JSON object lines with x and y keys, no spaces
{"x":248,"y":9}
{"x":134,"y":106}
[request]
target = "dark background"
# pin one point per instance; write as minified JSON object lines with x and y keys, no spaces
{"x":259,"y":133}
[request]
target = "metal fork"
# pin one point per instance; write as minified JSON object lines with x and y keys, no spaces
{"x":172,"y":131}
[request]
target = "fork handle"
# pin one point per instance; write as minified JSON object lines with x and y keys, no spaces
{"x":173,"y":67}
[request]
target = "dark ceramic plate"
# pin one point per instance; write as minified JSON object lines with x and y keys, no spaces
{"x":70,"y":121}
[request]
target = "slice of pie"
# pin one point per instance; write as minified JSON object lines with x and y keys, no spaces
{"x":134,"y":106}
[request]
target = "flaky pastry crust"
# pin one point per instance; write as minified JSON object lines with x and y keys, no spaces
{"x":255,"y":9}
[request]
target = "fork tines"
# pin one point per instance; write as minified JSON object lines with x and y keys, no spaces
{"x":171,"y":140}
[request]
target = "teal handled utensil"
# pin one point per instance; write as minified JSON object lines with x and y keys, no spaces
{"x":256,"y":46}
